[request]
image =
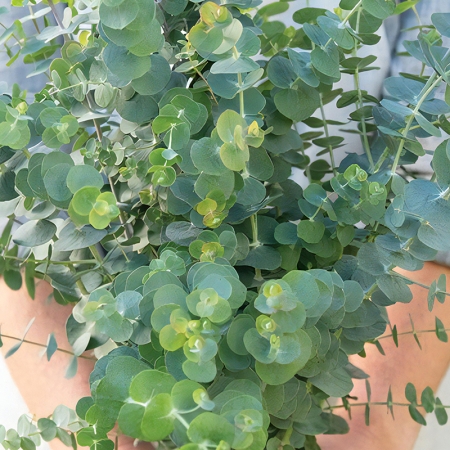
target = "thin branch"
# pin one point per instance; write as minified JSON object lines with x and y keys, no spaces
{"x":58,"y":20}
{"x":33,"y":19}
{"x":63,"y":263}
{"x":405,"y":333}
{"x":99,"y":133}
{"x":327,"y":134}
{"x":351,"y":405}
{"x":433,"y":81}
{"x":26,"y":341}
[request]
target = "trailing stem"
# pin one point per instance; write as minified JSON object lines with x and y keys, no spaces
{"x":412,"y":332}
{"x":347,"y":18}
{"x":360,"y":103}
{"x":253,"y":217}
{"x":26,"y":341}
{"x":58,"y":20}
{"x":432,"y":82}
{"x":327,"y":134}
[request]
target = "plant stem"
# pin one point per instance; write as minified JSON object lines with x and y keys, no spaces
{"x":96,"y":254}
{"x":381,"y":160}
{"x":446,"y":194}
{"x":432,"y":82}
{"x":346,"y":19}
{"x":350,"y":14}
{"x":372,"y":289}
{"x":368,"y":403}
{"x":254,"y":222}
{"x":253,"y":217}
{"x":58,"y":20}
{"x":405,"y":333}
{"x":327,"y":134}
{"x":241,"y":96}
{"x":417,"y":15}
{"x":26,"y":341}
{"x":255,"y":242}
{"x":317,"y":212}
{"x":180,"y":418}
{"x":363,"y":122}
{"x":82,"y":287}
{"x":360,"y":98}
{"x":307,"y":169}
{"x":206,"y":82}
{"x":33,"y":19}
{"x":63,"y":263}
{"x":98,"y":129}
{"x":414,"y":282}
{"x":122,"y":217}
{"x":287,"y":436}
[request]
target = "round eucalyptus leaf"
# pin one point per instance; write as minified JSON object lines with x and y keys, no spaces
{"x":205,"y":154}
{"x":182,"y":394}
{"x":310,"y":231}
{"x":125,"y":38}
{"x":34,"y":233}
{"x":146,"y":14}
{"x":204,"y":40}
{"x":206,"y":183}
{"x":379,"y":8}
{"x":260,"y":165}
{"x":174,"y":7}
{"x":276,"y":373}
{"x":304,"y":286}
{"x":232,"y":360}
{"x":252,"y":193}
{"x":123,"y":64}
{"x":22,"y":183}
{"x":113,"y":3}
{"x":262,"y":257}
{"x":73,"y":238}
{"x":227,"y":124}
{"x":103,"y":95}
{"x":238,"y":328}
{"x":280,"y":72}
{"x":156,"y":79}
{"x":150,"y":423}
{"x":54,"y":158}
{"x":290,"y":321}
{"x":84,"y":199}
{"x":152,"y":41}
{"x":259,"y":347}
{"x":7,"y":191}
{"x":297,"y":104}
{"x":139,"y":109}
{"x":55,"y":182}
{"x":336,"y":382}
{"x":233,"y":157}
{"x":119,"y":15}
{"x":204,"y":373}
{"x":149,"y":383}
{"x":211,"y":428}
{"x":286,"y":233}
{"x":82,"y":176}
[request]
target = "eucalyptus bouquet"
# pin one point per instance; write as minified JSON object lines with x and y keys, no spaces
{"x":151,"y":177}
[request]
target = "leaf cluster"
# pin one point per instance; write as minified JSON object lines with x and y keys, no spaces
{"x":152,"y":179}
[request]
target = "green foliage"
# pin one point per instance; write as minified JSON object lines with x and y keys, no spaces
{"x":152,"y":180}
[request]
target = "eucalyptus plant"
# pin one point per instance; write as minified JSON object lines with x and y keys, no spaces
{"x":151,"y":176}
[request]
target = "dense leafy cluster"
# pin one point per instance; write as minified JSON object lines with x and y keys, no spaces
{"x":151,"y":175}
